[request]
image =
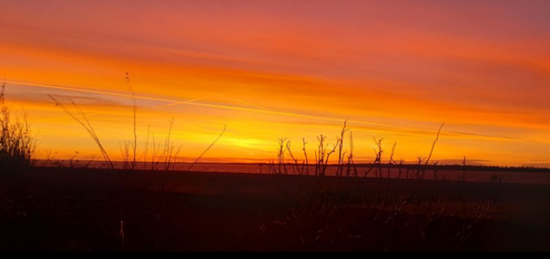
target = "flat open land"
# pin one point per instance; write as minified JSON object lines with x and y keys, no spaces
{"x":56,"y":209}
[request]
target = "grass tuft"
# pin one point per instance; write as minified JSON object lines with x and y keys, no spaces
{"x":17,"y":145}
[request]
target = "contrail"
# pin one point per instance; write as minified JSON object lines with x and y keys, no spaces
{"x":179,"y":103}
{"x":172,"y":102}
{"x":261,"y":110}
{"x":244,"y":102}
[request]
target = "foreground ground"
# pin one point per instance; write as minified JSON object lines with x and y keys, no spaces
{"x":92,"y":210}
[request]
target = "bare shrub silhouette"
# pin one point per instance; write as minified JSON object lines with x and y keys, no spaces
{"x":334,"y":211}
{"x":322,"y":156}
{"x":163,"y":153}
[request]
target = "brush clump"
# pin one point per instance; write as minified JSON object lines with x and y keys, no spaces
{"x":16,"y":141}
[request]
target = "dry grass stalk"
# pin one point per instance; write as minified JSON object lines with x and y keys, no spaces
{"x":281,"y":157}
{"x":134,"y":106}
{"x":305,"y":168}
{"x":434,"y":144}
{"x":82,"y":119}
{"x":209,"y":147}
{"x":390,"y":163}
{"x":351,"y":162}
{"x":341,"y":156}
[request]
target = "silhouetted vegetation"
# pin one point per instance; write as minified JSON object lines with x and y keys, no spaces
{"x":308,"y":204}
{"x":335,"y":212}
{"x":156,"y":155}
{"x":17,"y":144}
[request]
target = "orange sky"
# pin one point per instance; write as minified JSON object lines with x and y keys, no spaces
{"x":279,"y":68}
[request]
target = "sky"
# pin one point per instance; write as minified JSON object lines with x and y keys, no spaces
{"x":271,"y":69}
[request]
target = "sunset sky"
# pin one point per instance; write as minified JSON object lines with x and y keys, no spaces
{"x":396,"y":69}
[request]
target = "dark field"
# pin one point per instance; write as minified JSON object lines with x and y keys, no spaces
{"x":51,"y":209}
